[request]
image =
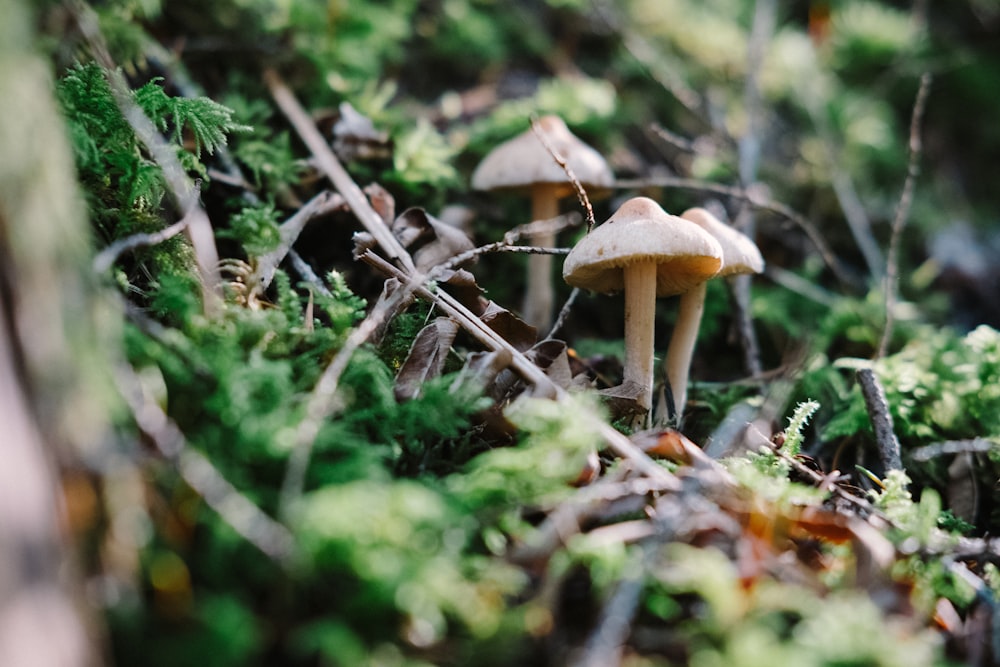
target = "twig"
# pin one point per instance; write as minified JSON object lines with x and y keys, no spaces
{"x":878,"y":412}
{"x":105,"y":259}
{"x":563,"y":313}
{"x":260,"y":530}
{"x":581,"y":193}
{"x":185,"y":194}
{"x":322,"y":203}
{"x":795,"y":283}
{"x":748,"y":163}
{"x":653,"y":62}
{"x":891,"y":286}
{"x":496,"y":246}
{"x":307,"y":273}
{"x":551,"y":226}
{"x":330,"y":165}
{"x":672,"y":138}
{"x":984,"y":593}
{"x":604,"y":646}
{"x":755,"y":200}
{"x":973,"y":446}
{"x":847,"y":196}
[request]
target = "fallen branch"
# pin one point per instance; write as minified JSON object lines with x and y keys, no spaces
{"x":330,"y":165}
{"x":105,"y":259}
{"x":878,"y":412}
{"x":290,"y":230}
{"x":891,"y":285}
{"x":260,"y":530}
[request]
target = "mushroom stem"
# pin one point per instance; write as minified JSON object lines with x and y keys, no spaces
{"x":539,"y":293}
{"x":640,"y":311}
{"x":681,"y":349}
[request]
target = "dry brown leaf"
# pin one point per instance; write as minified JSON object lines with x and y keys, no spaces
{"x":550,"y":356}
{"x":514,"y":330}
{"x":431,"y":241}
{"x":426,"y":357}
{"x":355,"y":137}
{"x":383,"y":202}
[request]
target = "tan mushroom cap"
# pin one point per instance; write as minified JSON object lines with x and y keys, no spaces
{"x":641,"y":231}
{"x":523,"y":161}
{"x":739,"y":253}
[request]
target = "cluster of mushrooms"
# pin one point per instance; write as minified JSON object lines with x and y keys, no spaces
{"x":641,"y":250}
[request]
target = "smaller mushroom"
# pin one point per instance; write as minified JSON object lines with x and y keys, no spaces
{"x":524,"y":164}
{"x":648,"y":253}
{"x":739,"y":255}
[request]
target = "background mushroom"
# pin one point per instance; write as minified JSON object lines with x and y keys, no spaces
{"x":646,"y":252}
{"x":524,"y":164}
{"x":739,"y":255}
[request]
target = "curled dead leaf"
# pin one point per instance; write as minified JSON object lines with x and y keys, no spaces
{"x":426,"y":357}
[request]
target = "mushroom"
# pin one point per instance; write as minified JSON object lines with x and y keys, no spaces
{"x":524,"y":164}
{"x":648,"y":253}
{"x":739,"y":255}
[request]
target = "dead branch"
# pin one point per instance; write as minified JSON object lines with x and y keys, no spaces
{"x":881,"y":418}
{"x":581,"y":193}
{"x":330,"y":165}
{"x":321,"y":204}
{"x":891,"y":285}
{"x":260,"y":530}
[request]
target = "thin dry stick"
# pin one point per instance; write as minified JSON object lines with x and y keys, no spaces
{"x":260,"y":530}
{"x":322,"y":203}
{"x":330,"y":165}
{"x":304,"y":270}
{"x":971,"y":446}
{"x":183,"y":191}
{"x":105,"y":259}
{"x":604,"y":646}
{"x":749,"y":162}
{"x":881,"y":418}
{"x":496,"y":246}
{"x":561,"y":161}
{"x":891,"y":286}
{"x":843,"y":187}
{"x":653,"y":62}
{"x":563,"y":313}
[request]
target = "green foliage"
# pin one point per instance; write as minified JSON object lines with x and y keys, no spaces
{"x":777,"y":624}
{"x":405,"y":544}
{"x":551,"y":454}
{"x":939,"y":387}
{"x":208,"y":122}
{"x":422,"y":156}
{"x":256,"y":228}
{"x":124,"y":187}
{"x":796,"y":423}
